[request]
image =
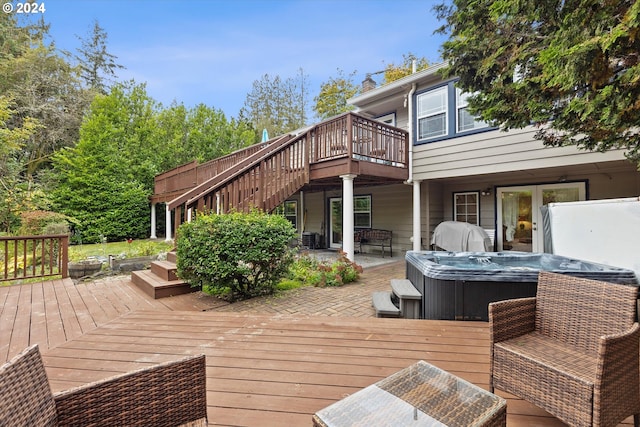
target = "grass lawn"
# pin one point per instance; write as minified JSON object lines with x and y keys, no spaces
{"x":133,"y":249}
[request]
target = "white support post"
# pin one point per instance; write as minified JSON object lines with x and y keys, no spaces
{"x":347,"y":216}
{"x":153,"y":221}
{"x":168,"y":224}
{"x":417,"y":232}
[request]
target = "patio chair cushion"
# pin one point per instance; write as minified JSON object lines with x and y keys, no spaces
{"x":25,"y":396}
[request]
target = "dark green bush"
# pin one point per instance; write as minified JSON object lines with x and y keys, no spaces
{"x":237,"y":255}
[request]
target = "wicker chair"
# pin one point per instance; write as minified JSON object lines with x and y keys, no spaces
{"x":572,"y":350}
{"x":169,"y":394}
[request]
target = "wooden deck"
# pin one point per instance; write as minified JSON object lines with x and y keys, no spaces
{"x":262,"y":369}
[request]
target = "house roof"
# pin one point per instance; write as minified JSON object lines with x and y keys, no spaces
{"x":395,"y":86}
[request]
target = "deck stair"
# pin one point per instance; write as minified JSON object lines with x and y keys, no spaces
{"x":161,"y":280}
{"x":404,"y":300}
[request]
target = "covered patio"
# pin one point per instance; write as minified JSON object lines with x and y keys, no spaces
{"x":270,"y":362}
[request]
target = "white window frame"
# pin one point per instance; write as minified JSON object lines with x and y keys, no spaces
{"x":461,"y":105}
{"x":443,"y":93}
{"x":360,"y":213}
{"x":292,"y":217}
{"x":464,"y":216}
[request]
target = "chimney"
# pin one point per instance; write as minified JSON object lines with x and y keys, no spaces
{"x":368,"y":83}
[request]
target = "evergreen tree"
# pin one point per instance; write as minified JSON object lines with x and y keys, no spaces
{"x":570,"y":67}
{"x":97,"y":65}
{"x":276,"y":105}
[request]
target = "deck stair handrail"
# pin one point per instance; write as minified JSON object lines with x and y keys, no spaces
{"x":269,"y":176}
{"x":28,"y":257}
{"x":184,"y":177}
{"x":214,"y":183}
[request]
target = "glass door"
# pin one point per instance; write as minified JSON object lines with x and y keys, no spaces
{"x":518,"y":213}
{"x":335,"y":222}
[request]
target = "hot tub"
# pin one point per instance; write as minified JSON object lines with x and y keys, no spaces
{"x":460,"y":285}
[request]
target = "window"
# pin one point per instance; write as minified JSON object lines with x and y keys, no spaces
{"x":465,"y":207}
{"x":362,"y":211}
{"x":432,"y":113}
{"x":289,"y":210}
{"x":465,"y":120}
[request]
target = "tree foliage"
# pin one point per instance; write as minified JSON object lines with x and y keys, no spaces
{"x":277,"y":105}
{"x":104,"y":181}
{"x":393,"y":72}
{"x":570,"y":67}
{"x":97,"y":66}
{"x":14,"y":197}
{"x":127,"y":139}
{"x":333,"y":95}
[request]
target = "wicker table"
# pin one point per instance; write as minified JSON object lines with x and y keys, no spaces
{"x":420,"y":395}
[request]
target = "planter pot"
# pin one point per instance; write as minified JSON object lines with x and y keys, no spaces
{"x":84,"y":268}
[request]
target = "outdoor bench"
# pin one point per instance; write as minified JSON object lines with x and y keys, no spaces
{"x":374,"y":237}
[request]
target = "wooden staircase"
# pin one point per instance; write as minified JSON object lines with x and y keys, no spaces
{"x":161,"y":280}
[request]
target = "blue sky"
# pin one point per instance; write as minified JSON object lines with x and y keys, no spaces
{"x":211,"y":51}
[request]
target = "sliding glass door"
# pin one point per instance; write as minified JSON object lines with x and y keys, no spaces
{"x":518,"y":213}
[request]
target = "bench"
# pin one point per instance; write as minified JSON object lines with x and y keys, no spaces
{"x":374,"y":237}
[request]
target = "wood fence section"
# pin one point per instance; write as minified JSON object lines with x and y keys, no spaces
{"x":28,"y":257}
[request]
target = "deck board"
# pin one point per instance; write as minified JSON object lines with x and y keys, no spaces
{"x":264,"y":369}
{"x":272,"y":370}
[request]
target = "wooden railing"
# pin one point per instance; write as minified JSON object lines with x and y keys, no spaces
{"x":26,"y":257}
{"x":270,"y":175}
{"x":348,"y":135}
{"x":354,"y":136}
{"x":183,"y":178}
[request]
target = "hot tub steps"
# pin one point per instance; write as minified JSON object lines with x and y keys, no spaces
{"x":404,"y":300}
{"x":383,"y":305}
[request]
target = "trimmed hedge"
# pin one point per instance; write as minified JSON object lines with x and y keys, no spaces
{"x":237,"y":255}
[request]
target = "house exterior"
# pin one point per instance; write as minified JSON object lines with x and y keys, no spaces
{"x":409,"y":158}
{"x":461,"y":169}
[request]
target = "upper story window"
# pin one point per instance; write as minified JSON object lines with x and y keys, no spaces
{"x":465,"y":120}
{"x":442,"y":113}
{"x":432,"y":113}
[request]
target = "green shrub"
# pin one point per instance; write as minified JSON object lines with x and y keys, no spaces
{"x":35,"y":223}
{"x":242,"y":255}
{"x":307,"y":270}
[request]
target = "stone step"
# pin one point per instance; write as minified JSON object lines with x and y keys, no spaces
{"x":166,"y":270}
{"x":383,"y":305}
{"x":156,"y":287}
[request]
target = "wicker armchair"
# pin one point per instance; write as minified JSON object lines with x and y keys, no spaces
{"x":572,"y":350}
{"x":169,"y":394}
